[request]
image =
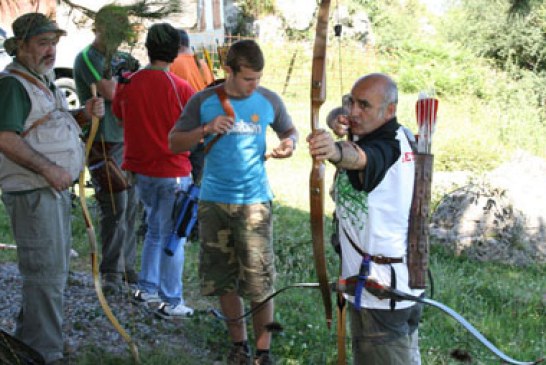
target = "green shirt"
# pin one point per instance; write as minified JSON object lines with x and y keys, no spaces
{"x":110,"y":128}
{"x":14,"y":104}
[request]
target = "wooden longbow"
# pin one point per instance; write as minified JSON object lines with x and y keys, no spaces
{"x":316,"y":180}
{"x":93,"y":244}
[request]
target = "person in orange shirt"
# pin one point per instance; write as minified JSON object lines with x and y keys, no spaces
{"x":187,"y":67}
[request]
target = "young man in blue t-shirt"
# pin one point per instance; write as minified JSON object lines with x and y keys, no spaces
{"x":235,"y":215}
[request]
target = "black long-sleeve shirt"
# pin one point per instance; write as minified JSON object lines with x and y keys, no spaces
{"x":382,"y":151}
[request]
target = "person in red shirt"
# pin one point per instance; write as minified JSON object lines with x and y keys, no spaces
{"x":149,"y":102}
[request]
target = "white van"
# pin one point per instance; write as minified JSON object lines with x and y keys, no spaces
{"x":5,"y":59}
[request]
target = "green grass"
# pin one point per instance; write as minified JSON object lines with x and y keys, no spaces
{"x":476,"y":134}
{"x":503,"y":302}
{"x":479,"y":125}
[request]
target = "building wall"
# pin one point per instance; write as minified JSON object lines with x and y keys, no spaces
{"x":11,"y":9}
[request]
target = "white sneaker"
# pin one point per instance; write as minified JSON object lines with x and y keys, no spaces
{"x":167,"y":311}
{"x":141,"y":297}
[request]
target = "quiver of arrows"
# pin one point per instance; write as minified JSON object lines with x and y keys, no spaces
{"x":418,"y":245}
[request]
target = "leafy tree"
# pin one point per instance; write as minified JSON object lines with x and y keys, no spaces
{"x":257,"y":7}
{"x":389,"y":19}
{"x":249,"y":11}
{"x":521,"y":6}
{"x":512,"y":33}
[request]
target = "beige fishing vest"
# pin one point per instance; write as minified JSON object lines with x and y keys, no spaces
{"x":57,"y":138}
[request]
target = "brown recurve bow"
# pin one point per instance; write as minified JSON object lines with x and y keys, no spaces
{"x":316,"y":180}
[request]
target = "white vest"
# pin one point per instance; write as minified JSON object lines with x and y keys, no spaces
{"x":377,"y":222}
{"x":58,"y":138}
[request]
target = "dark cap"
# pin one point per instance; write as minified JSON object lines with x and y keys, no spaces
{"x":162,"y":42}
{"x":184,"y":38}
{"x":29,"y":25}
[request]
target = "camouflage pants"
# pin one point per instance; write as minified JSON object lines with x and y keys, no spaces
{"x":236,"y":250}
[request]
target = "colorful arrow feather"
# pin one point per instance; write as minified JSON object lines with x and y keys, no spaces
{"x":426,"y":110}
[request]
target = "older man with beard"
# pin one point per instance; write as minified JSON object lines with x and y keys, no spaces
{"x":41,"y":154}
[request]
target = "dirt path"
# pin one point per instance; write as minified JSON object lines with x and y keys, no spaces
{"x":86,"y":326}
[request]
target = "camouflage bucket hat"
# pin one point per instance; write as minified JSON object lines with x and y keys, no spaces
{"x":29,"y":25}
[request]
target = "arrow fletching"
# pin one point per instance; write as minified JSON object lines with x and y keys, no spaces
{"x":426,"y":109}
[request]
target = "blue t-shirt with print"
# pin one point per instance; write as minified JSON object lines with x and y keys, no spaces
{"x":234,"y":169}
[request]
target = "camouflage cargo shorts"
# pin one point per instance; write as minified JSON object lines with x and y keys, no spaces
{"x":236,"y":250}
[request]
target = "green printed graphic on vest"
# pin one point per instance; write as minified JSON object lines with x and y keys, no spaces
{"x":353,"y":204}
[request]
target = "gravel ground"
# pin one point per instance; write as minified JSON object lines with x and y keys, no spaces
{"x":87,"y":326}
